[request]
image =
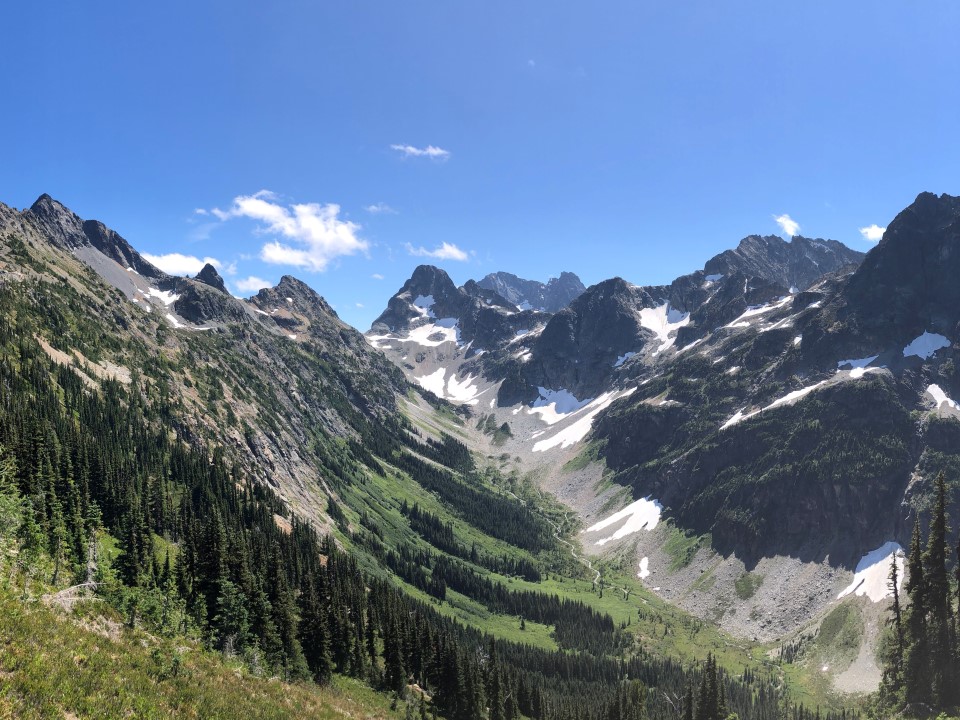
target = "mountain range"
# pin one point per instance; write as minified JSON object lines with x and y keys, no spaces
{"x":749,"y":444}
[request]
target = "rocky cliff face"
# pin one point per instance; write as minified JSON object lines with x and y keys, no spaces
{"x":278,"y":383}
{"x":798,"y":263}
{"x":906,"y":286}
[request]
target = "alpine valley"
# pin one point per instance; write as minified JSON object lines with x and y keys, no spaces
{"x":508,"y":499}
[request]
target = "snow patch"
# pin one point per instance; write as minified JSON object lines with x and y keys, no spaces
{"x":423,"y":303}
{"x":446,"y":328}
{"x":554,"y":405}
{"x":165,"y":296}
{"x":433,"y":382}
{"x":788,"y":398}
{"x":926,"y":345}
{"x":623,"y":358}
{"x":578,"y":430}
{"x":690,"y":346}
{"x":797,"y":340}
{"x":754,"y":310}
{"x":738,"y":416}
{"x":171,"y":318}
{"x":644,"y":568}
{"x":858,"y":367}
{"x":662,"y":321}
{"x":713,"y":278}
{"x":465,"y":391}
{"x":643,"y":514}
{"x":873,"y":571}
{"x":941,"y":397}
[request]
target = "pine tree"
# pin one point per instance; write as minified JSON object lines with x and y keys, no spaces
{"x":893,"y":672}
{"x":937,"y":598}
{"x":916,"y":676}
{"x":314,"y":630}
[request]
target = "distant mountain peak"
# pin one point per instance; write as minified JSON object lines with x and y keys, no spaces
{"x":552,"y":296}
{"x":798,"y":263}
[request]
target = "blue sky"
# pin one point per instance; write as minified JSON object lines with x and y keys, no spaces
{"x":345,"y":142}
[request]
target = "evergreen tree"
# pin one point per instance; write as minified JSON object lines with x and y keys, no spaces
{"x":916,"y":676}
{"x":937,"y":598}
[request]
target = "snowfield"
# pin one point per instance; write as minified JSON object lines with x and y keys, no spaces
{"x":434,"y":382}
{"x":873,"y":572}
{"x":926,"y":345}
{"x":662,"y":321}
{"x":555,"y":405}
{"x":463,"y":391}
{"x":448,"y":330}
{"x":941,"y":397}
{"x":578,"y":430}
{"x":164,"y":296}
{"x":643,"y":514}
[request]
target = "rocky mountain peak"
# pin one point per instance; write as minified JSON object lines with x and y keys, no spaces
{"x":908,"y":283}
{"x":59,"y":224}
{"x":209,"y":276}
{"x":429,"y":280}
{"x":798,"y":263}
{"x":551,"y":297}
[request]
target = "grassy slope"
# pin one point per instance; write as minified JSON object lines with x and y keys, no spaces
{"x":89,"y":666}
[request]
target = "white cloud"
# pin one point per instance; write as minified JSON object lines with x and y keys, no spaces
{"x":179,"y":264}
{"x":200,"y":211}
{"x":377,"y":276}
{"x":430,"y":151}
{"x":790,"y":226}
{"x":317,"y":233}
{"x":360,"y":305}
{"x":380,"y":208}
{"x":447,"y":251}
{"x":873,"y":233}
{"x":251,"y":284}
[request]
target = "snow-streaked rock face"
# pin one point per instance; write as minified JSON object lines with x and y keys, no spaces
{"x":643,"y":514}
{"x":871,"y":578}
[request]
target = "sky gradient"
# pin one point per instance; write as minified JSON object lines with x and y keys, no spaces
{"x":345,"y":143}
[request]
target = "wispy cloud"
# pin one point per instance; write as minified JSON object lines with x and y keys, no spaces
{"x":200,"y":211}
{"x":447,"y":251}
{"x":377,"y":276}
{"x":315,"y":232}
{"x":380,"y":208}
{"x":873,"y":233}
{"x":180,"y":264}
{"x":790,"y":226}
{"x":251,"y":284}
{"x":431,"y":151}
